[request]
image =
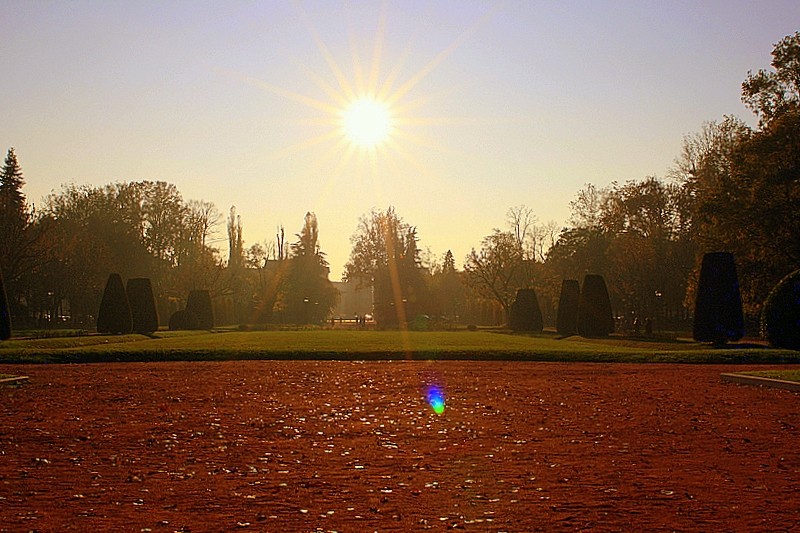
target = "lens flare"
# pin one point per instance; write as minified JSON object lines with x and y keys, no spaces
{"x":435,"y":396}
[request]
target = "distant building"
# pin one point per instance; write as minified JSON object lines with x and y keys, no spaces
{"x":353,"y":300}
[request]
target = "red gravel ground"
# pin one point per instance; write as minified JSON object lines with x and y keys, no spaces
{"x":348,"y":446}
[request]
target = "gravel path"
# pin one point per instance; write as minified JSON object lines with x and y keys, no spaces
{"x":349,"y":446}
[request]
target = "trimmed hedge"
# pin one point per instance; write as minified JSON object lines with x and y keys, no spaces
{"x":525,"y":313}
{"x":595,"y":318}
{"x":718,"y":315}
{"x":143,"y":305}
{"x":567,"y":318}
{"x":114,"y":315}
{"x":5,"y":312}
{"x":199,"y":304}
{"x":780,"y":320}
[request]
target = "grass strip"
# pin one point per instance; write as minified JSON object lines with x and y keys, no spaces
{"x":377,"y":345}
{"x":783,"y":375}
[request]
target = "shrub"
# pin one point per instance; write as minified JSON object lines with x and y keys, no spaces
{"x":780,"y":320}
{"x":567,"y":319}
{"x":199,"y":304}
{"x":114,"y":315}
{"x":595,"y":318}
{"x":420,"y":323}
{"x":525,"y":313}
{"x":718,"y":315}
{"x":5,"y":313}
{"x":143,"y":305}
{"x":183,"y":320}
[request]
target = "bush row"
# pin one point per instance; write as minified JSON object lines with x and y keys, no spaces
{"x":132,"y":308}
{"x":586,"y":312}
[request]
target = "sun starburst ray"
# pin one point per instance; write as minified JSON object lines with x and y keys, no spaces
{"x":303,"y":145}
{"x":377,"y":49}
{"x":437,"y":60}
{"x":341,"y":79}
{"x":358,"y":71}
{"x":284,"y":93}
{"x":332,"y":92}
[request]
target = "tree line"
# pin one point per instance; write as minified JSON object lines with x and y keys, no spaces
{"x":732,"y":188}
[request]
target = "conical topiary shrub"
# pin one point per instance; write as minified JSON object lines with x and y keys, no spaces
{"x":114,"y":315}
{"x":199,"y":304}
{"x":567,"y":319}
{"x":780,"y":320}
{"x":183,"y":320}
{"x":143,"y":305}
{"x":525,"y":313}
{"x":595,"y":318}
{"x":5,"y":312}
{"x":718,"y":315}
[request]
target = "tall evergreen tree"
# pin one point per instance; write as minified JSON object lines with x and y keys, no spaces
{"x":11,"y":182}
{"x":20,"y":253}
{"x":309,"y":294}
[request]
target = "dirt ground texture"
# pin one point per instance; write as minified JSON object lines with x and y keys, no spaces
{"x":349,"y":446}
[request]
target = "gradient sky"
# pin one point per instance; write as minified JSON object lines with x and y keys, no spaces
{"x":499,"y":103}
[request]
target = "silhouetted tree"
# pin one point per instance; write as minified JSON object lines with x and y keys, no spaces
{"x":236,"y":281}
{"x":21,"y":252}
{"x":385,"y":256}
{"x":114,"y":315}
{"x":771,"y":94}
{"x":744,"y":184}
{"x":578,"y":250}
{"x":143,"y":305}
{"x":498,"y":269}
{"x":447,"y":287}
{"x":525,"y":314}
{"x":568,"y":301}
{"x":199,"y":304}
{"x":309,"y":295}
{"x":595,"y":318}
{"x":5,"y":313}
{"x":197,"y":264}
{"x":718,"y":314}
{"x":11,"y":182}
{"x":780,"y":322}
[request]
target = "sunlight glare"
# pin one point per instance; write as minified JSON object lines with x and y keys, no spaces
{"x":366,"y":122}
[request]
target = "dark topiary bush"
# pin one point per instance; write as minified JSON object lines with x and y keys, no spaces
{"x":143,"y":305}
{"x":199,"y":304}
{"x":183,"y":320}
{"x":780,"y":320}
{"x":5,"y":313}
{"x":595,"y":318}
{"x":114,"y":315}
{"x":525,"y":313}
{"x":718,"y":315}
{"x":567,"y":319}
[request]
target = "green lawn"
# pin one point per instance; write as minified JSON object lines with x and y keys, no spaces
{"x":371,"y":345}
{"x":785,"y":375}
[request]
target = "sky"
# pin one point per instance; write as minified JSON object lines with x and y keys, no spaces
{"x":491,"y":104}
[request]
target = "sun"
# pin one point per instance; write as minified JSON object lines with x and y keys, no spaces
{"x":366,"y":122}
{"x":372,"y":113}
